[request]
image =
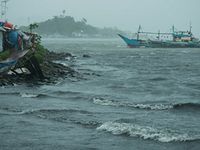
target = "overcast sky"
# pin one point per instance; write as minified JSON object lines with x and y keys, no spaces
{"x":123,"y":14}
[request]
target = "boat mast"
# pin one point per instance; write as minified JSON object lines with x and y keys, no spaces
{"x":173,"y":32}
{"x":138,"y":33}
{"x":158,"y":35}
{"x":190,"y":27}
{"x":173,"y":29}
{"x":4,"y":9}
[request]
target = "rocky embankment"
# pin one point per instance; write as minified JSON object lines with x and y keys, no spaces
{"x":51,"y":70}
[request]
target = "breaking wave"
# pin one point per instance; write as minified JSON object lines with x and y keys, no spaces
{"x":26,"y":95}
{"x":30,"y":95}
{"x":106,"y":102}
{"x":158,"y":106}
{"x":62,"y":63}
{"x":145,"y":132}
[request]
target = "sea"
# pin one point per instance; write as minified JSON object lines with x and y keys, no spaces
{"x":121,"y":99}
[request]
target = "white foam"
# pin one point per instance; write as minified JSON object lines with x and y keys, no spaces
{"x":28,"y":95}
{"x":153,"y":106}
{"x":62,"y":63}
{"x":106,"y":102}
{"x":143,"y":132}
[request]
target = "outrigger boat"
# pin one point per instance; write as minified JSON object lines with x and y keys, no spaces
{"x":176,"y":39}
{"x":17,"y":51}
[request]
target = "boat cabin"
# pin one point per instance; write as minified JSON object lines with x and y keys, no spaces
{"x":182,"y":36}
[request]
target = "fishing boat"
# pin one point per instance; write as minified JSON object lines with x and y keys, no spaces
{"x":175,"y":39}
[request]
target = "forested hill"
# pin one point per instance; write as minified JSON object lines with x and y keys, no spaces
{"x":67,"y":26}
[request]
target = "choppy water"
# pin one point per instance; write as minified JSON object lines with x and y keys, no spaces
{"x":147,"y":99}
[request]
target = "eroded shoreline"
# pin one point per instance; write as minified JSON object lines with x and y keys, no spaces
{"x":52,"y":71}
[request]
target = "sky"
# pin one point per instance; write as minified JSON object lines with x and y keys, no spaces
{"x":152,"y":15}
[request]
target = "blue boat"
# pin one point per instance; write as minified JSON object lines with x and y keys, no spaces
{"x":11,"y":40}
{"x":133,"y":43}
{"x":179,"y":39}
{"x":7,"y":65}
{"x":10,"y":62}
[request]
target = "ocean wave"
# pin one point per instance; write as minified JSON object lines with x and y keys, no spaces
{"x":10,"y":93}
{"x":158,"y":79}
{"x":86,"y":124}
{"x":56,"y":94}
{"x":53,"y":111}
{"x":31,"y":95}
{"x":79,"y":117}
{"x":195,"y":106}
{"x":66,"y":93}
{"x":106,"y":102}
{"x":154,"y":106}
{"x":26,"y":95}
{"x":6,"y":110}
{"x":43,"y":113}
{"x":145,"y":132}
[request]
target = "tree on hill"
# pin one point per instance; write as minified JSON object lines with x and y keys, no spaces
{"x":67,"y":26}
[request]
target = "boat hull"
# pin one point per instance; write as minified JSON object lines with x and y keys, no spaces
{"x":134,"y":43}
{"x":7,"y":65}
{"x":10,"y":63}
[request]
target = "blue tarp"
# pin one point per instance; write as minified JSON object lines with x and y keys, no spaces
{"x":13,"y":39}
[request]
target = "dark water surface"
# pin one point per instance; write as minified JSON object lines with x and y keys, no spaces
{"x":126,"y":99}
